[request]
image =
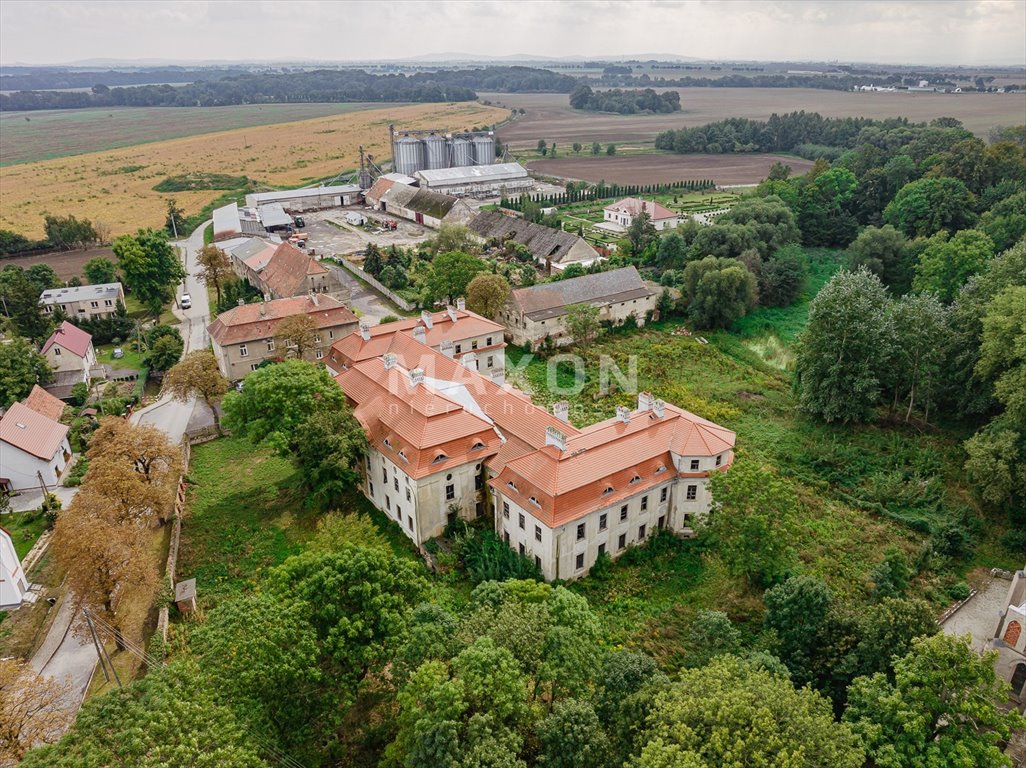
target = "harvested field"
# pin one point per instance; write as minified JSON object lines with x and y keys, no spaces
{"x":116,"y":187}
{"x":67,"y":264}
{"x":549,"y":115}
{"x":31,"y":136}
{"x":660,"y":169}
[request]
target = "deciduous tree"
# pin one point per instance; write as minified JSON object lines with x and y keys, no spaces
{"x":295,"y":336}
{"x":215,"y":268}
{"x":797,"y":611}
{"x":927,"y":206}
{"x":718,"y":292}
{"x":34,"y":710}
{"x":100,"y":270}
{"x":19,"y":301}
{"x":150,"y":267}
{"x":487,"y":294}
{"x":572,"y":737}
{"x":582,"y":323}
{"x":21,"y":368}
{"x":885,"y":252}
{"x":946,"y":264}
{"x":452,"y":272}
{"x":197,"y":375}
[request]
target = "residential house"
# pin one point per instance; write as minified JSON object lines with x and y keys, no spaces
{"x":290,"y":272}
{"x":432,"y":209}
{"x":455,"y":332}
{"x":623,"y":212}
{"x":250,"y":256}
{"x":34,"y":449}
{"x":45,"y":404}
{"x":69,"y":351}
{"x":1009,"y":640}
{"x":244,"y":336}
{"x":553,"y":249}
{"x":13,"y":584}
{"x":446,"y":441}
{"x":84,"y":302}
{"x":531,"y":314}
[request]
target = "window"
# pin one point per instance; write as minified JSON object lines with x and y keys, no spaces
{"x":387,"y":442}
{"x":254,"y":366}
{"x":602,"y":549}
{"x":663,"y":492}
{"x":477,"y":446}
{"x":319,"y":354}
{"x":384,"y":474}
{"x":635,"y":479}
{"x":622,"y":541}
{"x":662,"y":522}
{"x":488,"y":341}
{"x":505,"y":509}
{"x":692,"y":492}
{"x":395,"y":481}
{"x":537,"y":562}
{"x":317,"y":338}
{"x":409,"y":522}
{"x":371,"y":487}
{"x":623,"y":513}
{"x":537,"y":533}
{"x":450,"y":492}
{"x":388,"y":504}
{"x":331,"y":334}
{"x":694,"y":465}
{"x":644,"y":503}
{"x":580,"y":531}
{"x":57,"y":351}
{"x":439,"y":458}
{"x":641,"y":532}
{"x":521,"y":521}
{"x":459,"y":348}
{"x":473,"y":344}
{"x":660,"y":468}
{"x":64,"y":307}
{"x":94,"y":304}
{"x":609,"y":490}
{"x":490,"y":362}
{"x":108,"y":303}
{"x":534,"y":501}
{"x":270,"y":345}
{"x":49,"y":308}
{"x":512,"y":485}
{"x":719,"y":460}
{"x":243,"y":351}
{"x":408,"y":494}
{"x":521,"y":550}
{"x":402,"y":455}
{"x":505,"y":535}
{"x":603,"y":521}
{"x":580,"y":561}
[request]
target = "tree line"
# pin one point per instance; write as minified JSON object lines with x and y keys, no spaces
{"x":624,"y":102}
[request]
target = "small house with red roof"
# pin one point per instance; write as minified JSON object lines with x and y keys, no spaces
{"x":289,"y":272}
{"x":70,"y":349}
{"x":34,"y":449}
{"x":623,"y":212}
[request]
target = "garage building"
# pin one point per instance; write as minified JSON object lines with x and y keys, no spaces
{"x":313,"y":199}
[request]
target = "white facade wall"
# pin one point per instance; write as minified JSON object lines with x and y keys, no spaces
{"x":488,"y":358}
{"x":420,"y":507}
{"x":624,"y":219}
{"x":21,"y":468}
{"x":87,"y":309}
{"x":61,"y":359}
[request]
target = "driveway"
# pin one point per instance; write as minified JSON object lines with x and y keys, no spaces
{"x":979,"y":616}
{"x":66,"y":657}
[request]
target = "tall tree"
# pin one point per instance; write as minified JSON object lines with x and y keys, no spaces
{"x":572,"y":737}
{"x":927,"y":206}
{"x":947,"y":264}
{"x":797,"y":611}
{"x":920,"y":326}
{"x":174,"y":223}
{"x":945,"y":707}
{"x":327,"y":449}
{"x":150,"y":267}
{"x":718,"y":291}
{"x":100,"y":270}
{"x":487,"y":294}
{"x":33,"y":708}
{"x":295,"y":335}
{"x":21,"y":368}
{"x":19,"y":302}
{"x":215,"y":268}
{"x":885,"y":252}
{"x":197,"y":375}
{"x":581,"y":322}
{"x":451,"y":273}
{"x":841,"y":352}
{"x":641,"y":233}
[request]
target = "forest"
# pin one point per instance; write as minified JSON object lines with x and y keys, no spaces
{"x":350,"y":85}
{"x":624,"y":102}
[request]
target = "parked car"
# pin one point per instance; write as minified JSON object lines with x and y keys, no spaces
{"x":299,"y":222}
{"x":186,"y":301}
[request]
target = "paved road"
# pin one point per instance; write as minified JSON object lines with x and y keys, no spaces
{"x":167,"y":414}
{"x":65,"y":656}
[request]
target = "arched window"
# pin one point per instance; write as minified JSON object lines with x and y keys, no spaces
{"x":1012,"y":633}
{"x":1018,"y":679}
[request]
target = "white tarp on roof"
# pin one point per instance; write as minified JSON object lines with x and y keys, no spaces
{"x":259,"y":198}
{"x":472,"y":173}
{"x":273,"y":215}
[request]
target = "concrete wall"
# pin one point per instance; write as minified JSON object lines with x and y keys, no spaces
{"x":85,"y":309}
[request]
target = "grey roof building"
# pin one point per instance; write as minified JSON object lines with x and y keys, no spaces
{"x":553,"y":249}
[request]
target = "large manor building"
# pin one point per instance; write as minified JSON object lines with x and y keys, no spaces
{"x":446,"y":439}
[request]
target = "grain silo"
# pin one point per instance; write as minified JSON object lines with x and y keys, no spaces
{"x":436,"y":152}
{"x":409,"y":155}
{"x":484,"y":149}
{"x":462,"y":152}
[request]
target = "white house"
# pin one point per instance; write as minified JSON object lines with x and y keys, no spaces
{"x":13,"y":584}
{"x":69,"y":348}
{"x":623,"y":212}
{"x":34,"y":449}
{"x":84,"y":301}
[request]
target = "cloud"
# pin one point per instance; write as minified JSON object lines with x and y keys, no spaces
{"x":927,"y":32}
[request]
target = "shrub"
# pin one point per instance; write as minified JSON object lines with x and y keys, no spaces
{"x":1015,"y":540}
{"x":486,"y":557}
{"x":958,"y":591}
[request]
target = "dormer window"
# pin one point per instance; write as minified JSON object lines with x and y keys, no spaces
{"x":635,"y":479}
{"x":512,"y":485}
{"x":609,"y":490}
{"x":660,"y":468}
{"x":402,"y":455}
{"x":477,"y":446}
{"x":387,"y":442}
{"x":440,"y":457}
{"x":534,"y":501}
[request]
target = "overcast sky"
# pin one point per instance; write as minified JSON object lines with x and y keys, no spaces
{"x":909,"y":31}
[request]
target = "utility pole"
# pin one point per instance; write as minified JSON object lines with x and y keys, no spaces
{"x":96,"y":644}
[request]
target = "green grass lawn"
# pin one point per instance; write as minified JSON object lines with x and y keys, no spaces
{"x":131,"y":359}
{"x":137,"y":312}
{"x":25,"y":528}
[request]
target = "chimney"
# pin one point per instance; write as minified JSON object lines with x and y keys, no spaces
{"x":263,"y":309}
{"x":498,"y":376}
{"x":448,"y":348}
{"x":267,"y":297}
{"x":313,"y":298}
{"x":461,"y":304}
{"x":644,"y":401}
{"x":452,"y":313}
{"x":419,"y":334}
{"x":365,"y":330}
{"x":554,"y":437}
{"x":623,"y":413}
{"x":425,"y":316}
{"x":469,"y":361}
{"x":389,"y":360}
{"x":241,"y":302}
{"x":561,"y":410}
{"x":659,"y":408}
{"x":416,"y":376}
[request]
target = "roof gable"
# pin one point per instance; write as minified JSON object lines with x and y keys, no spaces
{"x":251,"y":322}
{"x":286,"y":271}
{"x":70,"y":337}
{"x":45,"y":404}
{"x":551,"y":299}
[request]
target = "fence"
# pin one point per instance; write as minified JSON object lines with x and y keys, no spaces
{"x":359,"y":274}
{"x":176,"y":534}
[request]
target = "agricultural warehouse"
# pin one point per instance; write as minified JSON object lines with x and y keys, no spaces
{"x":559,"y":495}
{"x":420,"y":205}
{"x":244,"y":336}
{"x":553,"y":249}
{"x":531,"y":314}
{"x":313,"y":199}
{"x":85,"y":302}
{"x":623,"y":212}
{"x":232,"y":221}
{"x":499,"y":179}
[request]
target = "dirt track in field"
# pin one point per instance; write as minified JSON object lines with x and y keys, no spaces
{"x":549,"y":115}
{"x":658,"y":169}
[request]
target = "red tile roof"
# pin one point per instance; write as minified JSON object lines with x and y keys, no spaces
{"x":31,"y":432}
{"x":635,"y":206}
{"x":70,"y":337}
{"x":252,"y":322}
{"x":286,"y":272}
{"x":45,"y":404}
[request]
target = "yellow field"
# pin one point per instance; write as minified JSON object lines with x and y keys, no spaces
{"x":116,"y":187}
